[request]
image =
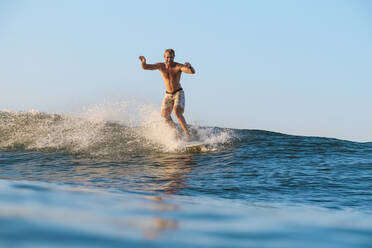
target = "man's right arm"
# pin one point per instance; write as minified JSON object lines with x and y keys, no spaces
{"x":148,"y":66}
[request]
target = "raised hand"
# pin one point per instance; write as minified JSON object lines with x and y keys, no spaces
{"x":143,"y":59}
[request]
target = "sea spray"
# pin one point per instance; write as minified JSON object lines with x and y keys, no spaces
{"x":110,"y":129}
{"x":35,"y":131}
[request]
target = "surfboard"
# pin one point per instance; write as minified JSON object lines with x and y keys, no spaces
{"x":195,"y":147}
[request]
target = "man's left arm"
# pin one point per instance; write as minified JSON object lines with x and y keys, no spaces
{"x":187,"y":68}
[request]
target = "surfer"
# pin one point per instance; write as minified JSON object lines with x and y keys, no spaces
{"x":174,"y":98}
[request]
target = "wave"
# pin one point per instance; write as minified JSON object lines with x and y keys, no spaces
{"x":117,"y":130}
{"x":106,"y":130}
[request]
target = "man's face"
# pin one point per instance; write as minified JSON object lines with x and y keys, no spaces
{"x":169,"y":58}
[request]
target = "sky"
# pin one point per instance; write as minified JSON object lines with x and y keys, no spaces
{"x":295,"y":67}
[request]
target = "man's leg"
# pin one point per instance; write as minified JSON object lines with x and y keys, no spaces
{"x":179,"y":114}
{"x":166,"y":114}
{"x":179,"y":107}
{"x":166,"y":111}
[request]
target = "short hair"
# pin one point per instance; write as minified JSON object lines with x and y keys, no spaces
{"x":170,"y":51}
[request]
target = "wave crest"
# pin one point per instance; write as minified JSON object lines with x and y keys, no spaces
{"x":106,"y":130}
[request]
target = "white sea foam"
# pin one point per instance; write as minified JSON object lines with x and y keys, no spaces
{"x":106,"y":129}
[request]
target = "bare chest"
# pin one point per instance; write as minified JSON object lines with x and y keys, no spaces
{"x":170,"y":73}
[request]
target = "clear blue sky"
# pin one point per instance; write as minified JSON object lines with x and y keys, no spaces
{"x":297,"y":67}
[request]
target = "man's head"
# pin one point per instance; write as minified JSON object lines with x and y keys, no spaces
{"x":169,"y":55}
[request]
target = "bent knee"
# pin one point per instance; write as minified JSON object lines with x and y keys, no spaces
{"x":165,"y":113}
{"x":178,"y":111}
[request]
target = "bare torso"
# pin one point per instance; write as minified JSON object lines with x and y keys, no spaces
{"x":171,"y":75}
{"x":170,"y":71}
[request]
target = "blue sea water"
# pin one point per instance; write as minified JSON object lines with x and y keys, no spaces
{"x":87,"y":182}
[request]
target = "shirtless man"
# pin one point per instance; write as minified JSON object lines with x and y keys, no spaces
{"x":174,"y":98}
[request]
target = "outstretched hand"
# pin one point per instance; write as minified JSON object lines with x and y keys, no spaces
{"x":187,"y":64}
{"x":143,"y":59}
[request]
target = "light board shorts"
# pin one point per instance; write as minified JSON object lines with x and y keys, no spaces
{"x":174,"y":100}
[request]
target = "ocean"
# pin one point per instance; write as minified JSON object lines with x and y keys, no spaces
{"x":110,"y":178}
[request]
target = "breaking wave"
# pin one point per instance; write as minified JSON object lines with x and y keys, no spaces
{"x":104,"y":130}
